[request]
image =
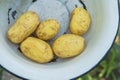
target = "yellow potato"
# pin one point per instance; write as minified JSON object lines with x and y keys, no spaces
{"x":68,"y":45}
{"x":37,"y":50}
{"x":48,"y":29}
{"x":23,"y":27}
{"x":80,"y":21}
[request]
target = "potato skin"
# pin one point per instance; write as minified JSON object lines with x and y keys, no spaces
{"x":23,"y":27}
{"x":37,"y":50}
{"x":80,"y":21}
{"x":68,"y":45}
{"x":48,"y":29}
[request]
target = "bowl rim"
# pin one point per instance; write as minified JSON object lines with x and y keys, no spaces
{"x":1,"y":66}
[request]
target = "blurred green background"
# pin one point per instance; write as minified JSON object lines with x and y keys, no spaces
{"x":108,"y":69}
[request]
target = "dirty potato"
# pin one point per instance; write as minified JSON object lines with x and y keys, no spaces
{"x":68,"y":45}
{"x":48,"y":29}
{"x":37,"y":50}
{"x":80,"y":21}
{"x":23,"y":27}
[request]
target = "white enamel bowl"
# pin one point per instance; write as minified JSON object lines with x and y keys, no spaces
{"x":99,"y":38}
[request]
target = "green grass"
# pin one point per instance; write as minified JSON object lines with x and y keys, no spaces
{"x":108,"y":69}
{"x":0,"y":73}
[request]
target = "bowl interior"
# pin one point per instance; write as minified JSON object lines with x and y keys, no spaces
{"x":99,"y":38}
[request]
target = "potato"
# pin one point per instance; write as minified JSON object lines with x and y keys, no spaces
{"x":68,"y":45}
{"x":23,"y":27}
{"x":80,"y":21}
{"x":37,"y":50}
{"x":48,"y":29}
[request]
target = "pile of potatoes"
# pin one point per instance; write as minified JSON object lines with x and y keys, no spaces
{"x":37,"y":48}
